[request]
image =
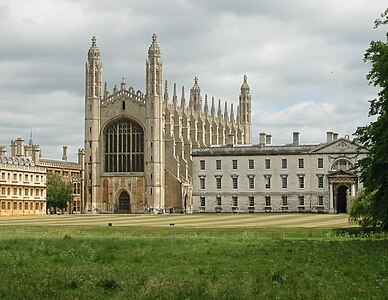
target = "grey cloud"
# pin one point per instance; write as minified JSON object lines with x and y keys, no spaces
{"x":302,"y":52}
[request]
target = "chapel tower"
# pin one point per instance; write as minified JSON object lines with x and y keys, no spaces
{"x":154,"y":123}
{"x":245,"y":112}
{"x":93,"y":89}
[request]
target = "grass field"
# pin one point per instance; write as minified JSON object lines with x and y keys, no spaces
{"x":197,"y":220}
{"x":143,"y":257}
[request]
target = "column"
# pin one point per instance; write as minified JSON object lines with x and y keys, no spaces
{"x":331,"y":199}
{"x":353,"y":194}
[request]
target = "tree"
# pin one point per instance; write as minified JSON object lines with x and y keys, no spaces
{"x":58,"y":192}
{"x":374,"y":167}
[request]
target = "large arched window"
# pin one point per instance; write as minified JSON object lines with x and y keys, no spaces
{"x":124,"y":147}
{"x":341,"y":164}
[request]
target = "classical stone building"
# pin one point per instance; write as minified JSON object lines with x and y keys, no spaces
{"x":22,"y":186}
{"x":276,"y":178}
{"x":138,"y":145}
{"x":71,"y":172}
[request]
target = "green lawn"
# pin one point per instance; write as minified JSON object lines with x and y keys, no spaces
{"x":47,"y":262}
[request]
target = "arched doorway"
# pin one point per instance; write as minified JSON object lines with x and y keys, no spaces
{"x":342,"y":199}
{"x":124,"y":203}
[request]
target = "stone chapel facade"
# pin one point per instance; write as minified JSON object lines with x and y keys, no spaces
{"x":138,"y":145}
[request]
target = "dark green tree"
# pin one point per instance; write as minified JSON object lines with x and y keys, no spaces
{"x":371,"y":209}
{"x":58,"y":192}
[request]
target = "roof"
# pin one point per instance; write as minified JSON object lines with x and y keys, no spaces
{"x":341,"y":145}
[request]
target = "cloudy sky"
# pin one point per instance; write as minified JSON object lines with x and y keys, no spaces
{"x":303,"y":59}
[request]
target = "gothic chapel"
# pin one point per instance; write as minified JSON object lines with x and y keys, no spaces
{"x":138,"y":146}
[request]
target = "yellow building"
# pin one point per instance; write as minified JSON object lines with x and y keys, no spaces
{"x":22,"y":186}
{"x":70,"y":171}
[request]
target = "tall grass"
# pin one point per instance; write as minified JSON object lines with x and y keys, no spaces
{"x":171,"y":263}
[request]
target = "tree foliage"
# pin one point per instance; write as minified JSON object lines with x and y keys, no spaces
{"x":58,"y":192}
{"x":374,"y":168}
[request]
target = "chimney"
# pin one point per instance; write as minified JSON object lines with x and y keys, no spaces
{"x":329,"y":136}
{"x":335,"y":136}
{"x":295,"y":139}
{"x":262,"y":139}
{"x":19,"y":147}
{"x":13,"y":148}
{"x":64,"y":153}
{"x":81,"y":154}
{"x":230,"y":140}
{"x":35,"y":154}
{"x":3,"y":150}
{"x":268,"y":139}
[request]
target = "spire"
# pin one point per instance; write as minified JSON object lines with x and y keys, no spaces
{"x":174,"y":97}
{"x":94,"y":52}
{"x":245,"y":86}
{"x":154,"y":71}
{"x":245,"y":114}
{"x":123,"y":84}
{"x":206,"y":108}
{"x":154,"y":50}
{"x":226,"y":117}
{"x":166,"y":97}
{"x":213,"y":109}
{"x":183,"y":100}
{"x":195,"y":96}
{"x":231,"y":113}
{"x":238,"y":114}
{"x":93,"y":71}
{"x":30,"y":142}
{"x":219,"y":113}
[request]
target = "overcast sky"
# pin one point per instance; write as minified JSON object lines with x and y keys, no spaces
{"x":303,"y":59}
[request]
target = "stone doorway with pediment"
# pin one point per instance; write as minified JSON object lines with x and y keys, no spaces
{"x":342,"y":187}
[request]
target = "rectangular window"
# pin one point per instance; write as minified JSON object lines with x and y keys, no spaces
{"x":301,"y":200}
{"x":202,"y":165}
{"x":301,"y":182}
{"x":320,"y":182}
{"x":267,"y":164}
{"x":202,"y":201}
{"x":218,"y":164}
{"x":251,"y":181}
{"x":301,"y":163}
{"x":202,"y":185}
{"x":218,"y":201}
{"x":251,"y":164}
{"x":320,"y":200}
{"x":235,"y":183}
{"x":251,"y":201}
{"x":320,"y":163}
{"x":267,"y":200}
{"x":268,"y":182}
{"x":284,"y":182}
{"x":218,"y":182}
{"x":234,"y":164}
{"x":284,"y":163}
{"x":234,"y":201}
{"x":15,"y":177}
{"x":284,"y":201}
